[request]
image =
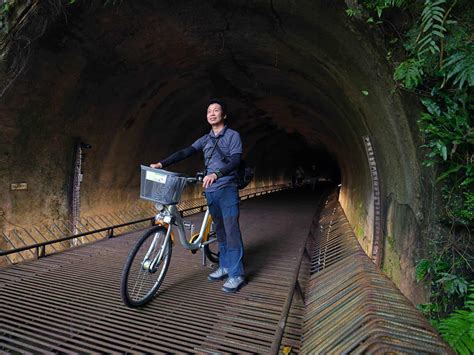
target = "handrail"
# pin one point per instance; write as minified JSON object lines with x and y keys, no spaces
{"x":48,"y":242}
{"x":40,"y":247}
{"x":294,"y":284}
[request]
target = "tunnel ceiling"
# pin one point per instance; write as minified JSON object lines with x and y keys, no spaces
{"x":146,"y":69}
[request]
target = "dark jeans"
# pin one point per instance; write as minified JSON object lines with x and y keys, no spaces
{"x":224,"y":208}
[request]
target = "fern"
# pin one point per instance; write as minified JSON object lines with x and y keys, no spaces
{"x":470,"y":298}
{"x":458,"y":328}
{"x":410,"y":73}
{"x":432,"y":27}
{"x":380,"y":5}
{"x":460,"y":67}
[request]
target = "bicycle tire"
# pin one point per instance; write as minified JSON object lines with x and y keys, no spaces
{"x":129,"y":280}
{"x":212,"y":250}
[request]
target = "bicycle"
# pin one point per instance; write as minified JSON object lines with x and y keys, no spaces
{"x":149,"y":259}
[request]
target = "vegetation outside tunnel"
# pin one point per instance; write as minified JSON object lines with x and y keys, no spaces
{"x":431,"y":45}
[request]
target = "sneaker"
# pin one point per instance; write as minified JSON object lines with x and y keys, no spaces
{"x":233,"y":284}
{"x":220,"y":274}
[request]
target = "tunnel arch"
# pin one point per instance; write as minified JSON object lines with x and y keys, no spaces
{"x":133,"y":80}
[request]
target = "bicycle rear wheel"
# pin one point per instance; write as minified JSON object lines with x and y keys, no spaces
{"x":145,"y":270}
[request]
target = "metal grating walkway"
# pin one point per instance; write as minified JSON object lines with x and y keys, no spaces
{"x":70,"y":302}
{"x":352,"y":307}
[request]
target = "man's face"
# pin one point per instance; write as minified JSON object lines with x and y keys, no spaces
{"x":215,"y":115}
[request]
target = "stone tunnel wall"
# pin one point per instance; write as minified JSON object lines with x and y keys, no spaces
{"x":133,"y":81}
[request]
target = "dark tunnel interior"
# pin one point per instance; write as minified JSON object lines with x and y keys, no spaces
{"x":303,"y":84}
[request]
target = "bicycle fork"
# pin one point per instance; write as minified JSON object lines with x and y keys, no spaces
{"x":153,"y":264}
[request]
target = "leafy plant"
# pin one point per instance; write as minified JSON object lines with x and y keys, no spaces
{"x":5,"y":10}
{"x":458,"y":328}
{"x":432,"y":27}
{"x":447,"y":287}
{"x":380,"y":5}
{"x":460,"y":67}
{"x":353,"y":12}
{"x":452,"y":285}
{"x":410,"y":73}
{"x":449,"y":137}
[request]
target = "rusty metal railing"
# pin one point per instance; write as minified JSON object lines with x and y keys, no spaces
{"x":351,"y":306}
{"x":39,"y":242}
{"x":294,"y":286}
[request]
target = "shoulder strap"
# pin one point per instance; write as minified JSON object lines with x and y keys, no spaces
{"x":226,"y":160}
{"x":212,"y":152}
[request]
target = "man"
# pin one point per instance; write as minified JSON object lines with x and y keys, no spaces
{"x":220,"y":186}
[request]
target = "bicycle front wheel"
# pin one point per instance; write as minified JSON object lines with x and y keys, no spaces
{"x":146,"y":267}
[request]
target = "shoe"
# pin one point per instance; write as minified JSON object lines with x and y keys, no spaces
{"x":233,"y":284}
{"x":220,"y":274}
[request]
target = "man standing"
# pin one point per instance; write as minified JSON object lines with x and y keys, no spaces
{"x":220,"y":186}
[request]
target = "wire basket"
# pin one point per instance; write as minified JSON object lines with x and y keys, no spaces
{"x":161,"y":186}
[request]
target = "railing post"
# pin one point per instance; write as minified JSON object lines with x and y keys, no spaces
{"x":40,"y":251}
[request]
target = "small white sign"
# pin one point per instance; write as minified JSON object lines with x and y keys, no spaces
{"x":152,"y":176}
{"x":19,"y":186}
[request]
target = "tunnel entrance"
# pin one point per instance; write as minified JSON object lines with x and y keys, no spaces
{"x":303,"y":85}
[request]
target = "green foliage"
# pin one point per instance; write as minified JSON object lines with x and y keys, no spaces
{"x":409,"y":73}
{"x":439,"y":66}
{"x":432,"y":27}
{"x":449,"y":138}
{"x":353,"y":12}
{"x":452,"y":285}
{"x":458,"y":328}
{"x":422,"y":269}
{"x":5,"y":10}
{"x":380,"y":5}
{"x":467,"y":211}
{"x":460,"y":67}
{"x":447,"y":288}
{"x":445,"y":126}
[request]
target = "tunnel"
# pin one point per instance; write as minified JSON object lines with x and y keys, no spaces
{"x":304,"y":84}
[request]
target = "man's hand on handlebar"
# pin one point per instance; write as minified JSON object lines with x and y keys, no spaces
{"x":206,"y":181}
{"x":209,"y":180}
{"x":156,"y":165}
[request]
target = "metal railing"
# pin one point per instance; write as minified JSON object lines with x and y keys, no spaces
{"x":294,"y":286}
{"x":56,"y":231}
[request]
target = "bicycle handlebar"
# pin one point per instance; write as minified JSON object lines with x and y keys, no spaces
{"x":198,"y":178}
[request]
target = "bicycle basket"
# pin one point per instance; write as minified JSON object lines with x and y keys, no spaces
{"x":161,"y":186}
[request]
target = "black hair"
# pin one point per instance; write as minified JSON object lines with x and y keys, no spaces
{"x":220,"y":102}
